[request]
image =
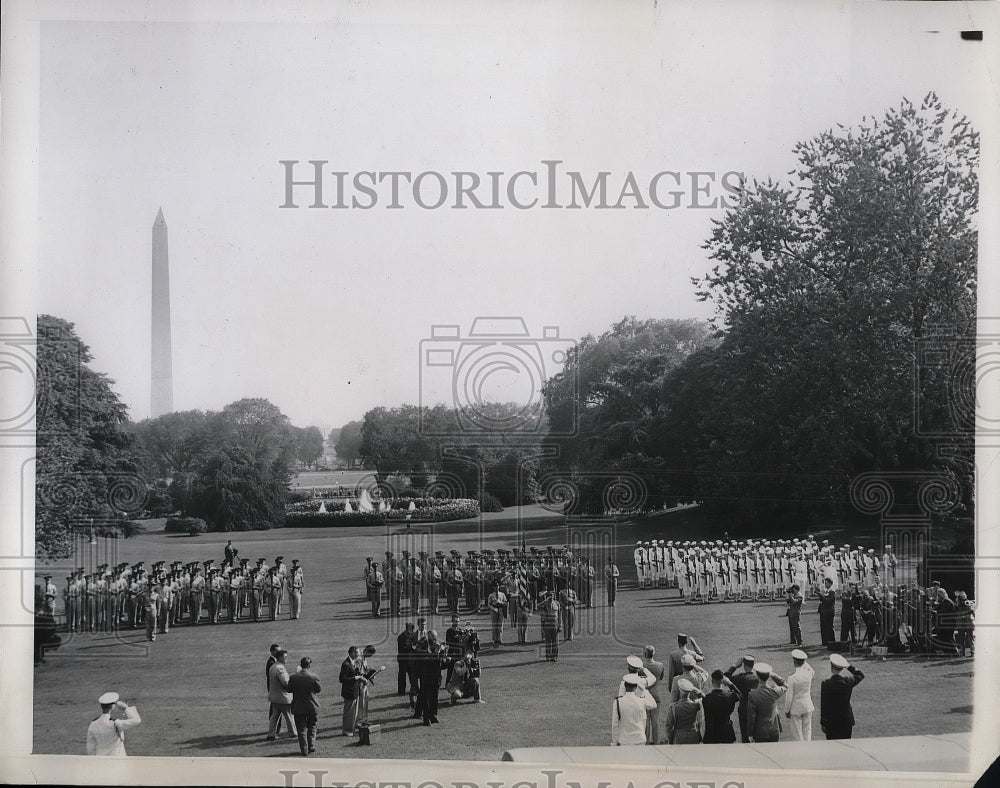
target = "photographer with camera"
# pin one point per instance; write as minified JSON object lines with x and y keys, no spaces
{"x":465,"y":679}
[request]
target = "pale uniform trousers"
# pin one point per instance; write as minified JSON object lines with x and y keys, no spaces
{"x":799,"y":703}
{"x":639,"y":555}
{"x":296,"y":595}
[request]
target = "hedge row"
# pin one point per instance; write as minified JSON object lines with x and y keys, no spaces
{"x":430,"y":512}
{"x":332,"y":519}
{"x":457,"y":509}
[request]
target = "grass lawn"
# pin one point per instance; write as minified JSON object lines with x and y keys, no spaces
{"x":200,"y":690}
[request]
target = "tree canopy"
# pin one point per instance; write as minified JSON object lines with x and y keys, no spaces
{"x":85,"y":463}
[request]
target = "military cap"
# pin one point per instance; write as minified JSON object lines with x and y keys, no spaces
{"x":838,"y":661}
{"x":632,"y":680}
{"x":633,"y":662}
{"x":762,"y":669}
{"x":684,"y":685}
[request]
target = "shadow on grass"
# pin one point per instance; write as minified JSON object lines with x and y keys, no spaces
{"x":960,"y":710}
{"x":230,"y":740}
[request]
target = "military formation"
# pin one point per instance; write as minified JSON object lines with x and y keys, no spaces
{"x":476,"y":582}
{"x":130,"y":596}
{"x":740,"y":571}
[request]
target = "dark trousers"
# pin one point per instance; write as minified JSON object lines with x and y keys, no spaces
{"x":846,"y":628}
{"x":305,"y":726}
{"x":429,"y":700}
{"x":741,"y":712}
{"x":404,"y":665}
{"x":794,"y":630}
{"x":551,"y":638}
{"x":826,"y":627}
{"x":840,"y":730}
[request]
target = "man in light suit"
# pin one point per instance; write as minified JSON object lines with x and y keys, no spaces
{"x":798,"y":700}
{"x":763,"y":719}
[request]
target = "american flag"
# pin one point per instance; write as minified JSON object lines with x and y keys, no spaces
{"x":521,"y":581}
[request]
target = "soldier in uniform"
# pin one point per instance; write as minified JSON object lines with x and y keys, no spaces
{"x":166,"y":600}
{"x":497,"y":603}
{"x":298,"y":583}
{"x":237,"y":583}
{"x":549,"y":617}
{"x":611,"y":575}
{"x":215,"y":584}
{"x":150,"y":602}
{"x":274,"y":592}
{"x":434,"y":583}
{"x":567,"y":604}
{"x":394,"y":581}
{"x":278,"y":592}
{"x":453,"y":585}
{"x":375,"y":582}
{"x":745,"y":681}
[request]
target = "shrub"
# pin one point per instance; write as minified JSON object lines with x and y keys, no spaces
{"x":489,"y":503}
{"x":297,"y":496}
{"x":130,"y":528}
{"x":192,"y":526}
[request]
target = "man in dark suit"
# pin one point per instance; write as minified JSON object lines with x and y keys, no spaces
{"x":429,"y":666}
{"x":304,"y":687}
{"x":406,"y":641}
{"x":827,"y":601}
{"x":745,"y":682}
{"x":848,"y":602}
{"x":836,"y":716}
{"x":350,"y":689}
{"x":718,"y":707}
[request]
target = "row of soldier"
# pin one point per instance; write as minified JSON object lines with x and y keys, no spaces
{"x":740,"y":570}
{"x":130,"y":596}
{"x":449,"y":579}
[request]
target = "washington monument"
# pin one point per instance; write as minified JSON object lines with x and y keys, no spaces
{"x":162,"y":382}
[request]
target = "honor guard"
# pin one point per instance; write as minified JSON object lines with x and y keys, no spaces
{"x":376,"y":581}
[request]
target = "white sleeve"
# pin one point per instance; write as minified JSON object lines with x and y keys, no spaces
{"x":132,"y":718}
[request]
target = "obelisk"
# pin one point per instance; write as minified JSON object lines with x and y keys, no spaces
{"x":162,"y":383}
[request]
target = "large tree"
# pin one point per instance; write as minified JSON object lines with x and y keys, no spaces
{"x":347,"y":442}
{"x":825,"y":286}
{"x":85,"y":465}
{"x":308,"y":444}
{"x":605,"y":405}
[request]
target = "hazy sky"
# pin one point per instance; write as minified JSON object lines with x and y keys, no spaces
{"x":322,"y":311}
